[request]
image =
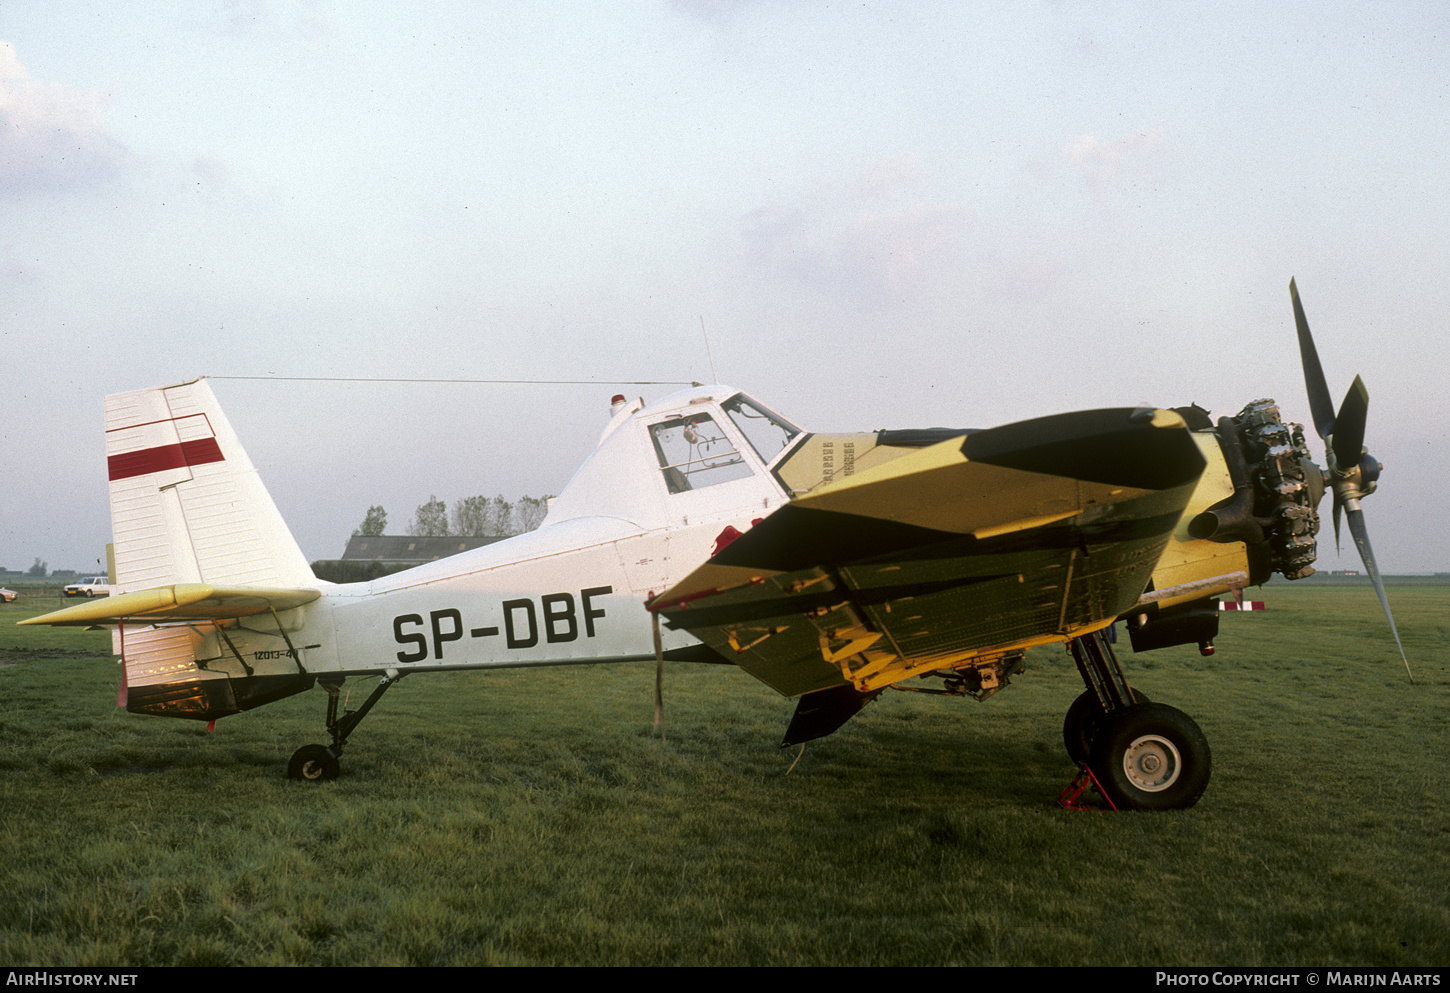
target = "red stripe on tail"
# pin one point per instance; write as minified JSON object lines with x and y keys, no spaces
{"x":199,"y":451}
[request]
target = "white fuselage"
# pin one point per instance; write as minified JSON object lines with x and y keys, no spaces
{"x":572,"y":591}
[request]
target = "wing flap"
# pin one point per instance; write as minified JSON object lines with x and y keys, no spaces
{"x":181,"y":602}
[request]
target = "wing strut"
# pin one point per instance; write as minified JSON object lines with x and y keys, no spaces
{"x":222,"y":632}
{"x":296,"y":655}
{"x":659,"y":676}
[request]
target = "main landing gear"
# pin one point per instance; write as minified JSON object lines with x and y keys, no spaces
{"x":320,"y":762}
{"x":1143,"y":756}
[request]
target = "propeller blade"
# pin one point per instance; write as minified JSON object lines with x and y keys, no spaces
{"x":1349,"y":425}
{"x":1337,"y":508}
{"x":1321,"y":405}
{"x":1366,"y":554}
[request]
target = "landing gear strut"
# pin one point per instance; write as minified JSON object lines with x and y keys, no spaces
{"x":320,"y":762}
{"x":1144,"y":756}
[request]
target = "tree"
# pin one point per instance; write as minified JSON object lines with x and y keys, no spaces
{"x":375,"y":523}
{"x":431,"y":520}
{"x":500,"y":517}
{"x":492,"y":517}
{"x":487,"y":516}
{"x":39,"y":570}
{"x":530,"y":512}
{"x":471,"y":515}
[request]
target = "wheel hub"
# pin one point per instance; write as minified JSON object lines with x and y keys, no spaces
{"x":1152,"y":763}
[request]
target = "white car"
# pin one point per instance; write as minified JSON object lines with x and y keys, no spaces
{"x":7,"y":596}
{"x":89,"y":587}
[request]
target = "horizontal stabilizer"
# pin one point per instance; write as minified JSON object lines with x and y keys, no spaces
{"x":182,"y":602}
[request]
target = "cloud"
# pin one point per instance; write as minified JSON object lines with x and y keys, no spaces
{"x":886,"y":256}
{"x":715,"y":11}
{"x":311,"y":19}
{"x":870,"y":242}
{"x":210,"y":169}
{"x":887,"y":176}
{"x":1101,"y":161}
{"x":14,"y":271}
{"x":52,"y":136}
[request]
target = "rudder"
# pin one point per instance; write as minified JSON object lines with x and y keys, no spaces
{"x":187,"y":506}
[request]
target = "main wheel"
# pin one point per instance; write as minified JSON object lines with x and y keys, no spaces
{"x":1151,"y":757}
{"x":313,"y":762}
{"x":1080,"y":726}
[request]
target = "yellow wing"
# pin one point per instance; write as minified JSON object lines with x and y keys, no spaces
{"x":970,"y":548}
{"x":182,"y":602}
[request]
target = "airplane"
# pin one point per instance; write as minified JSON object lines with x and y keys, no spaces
{"x":705,"y":527}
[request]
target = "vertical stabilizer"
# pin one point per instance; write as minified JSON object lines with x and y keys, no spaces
{"x":186,"y":504}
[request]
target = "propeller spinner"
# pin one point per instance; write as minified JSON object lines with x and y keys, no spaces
{"x":1353,"y":472}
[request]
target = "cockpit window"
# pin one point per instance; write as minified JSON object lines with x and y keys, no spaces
{"x":766,"y":432}
{"x":695,"y":453}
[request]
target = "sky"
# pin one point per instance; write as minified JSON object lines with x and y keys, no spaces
{"x":882,"y":215}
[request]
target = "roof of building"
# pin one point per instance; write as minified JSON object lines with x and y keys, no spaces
{"x":411,"y":548}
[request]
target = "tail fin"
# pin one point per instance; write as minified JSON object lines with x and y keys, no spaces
{"x":186,"y":504}
{"x":196,"y":539}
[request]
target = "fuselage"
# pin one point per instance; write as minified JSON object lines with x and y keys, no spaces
{"x":669,"y":486}
{"x":666,"y":485}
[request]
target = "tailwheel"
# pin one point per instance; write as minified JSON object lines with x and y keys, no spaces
{"x":1150,"y":756}
{"x":314,"y":763}
{"x":319,"y":762}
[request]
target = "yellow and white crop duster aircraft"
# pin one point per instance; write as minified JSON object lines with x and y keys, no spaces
{"x":830,"y":566}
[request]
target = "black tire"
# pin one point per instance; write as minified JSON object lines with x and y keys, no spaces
{"x":1080,"y":726}
{"x":314,"y":763}
{"x":1151,"y":757}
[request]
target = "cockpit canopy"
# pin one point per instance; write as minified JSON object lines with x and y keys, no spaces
{"x":697,"y":453}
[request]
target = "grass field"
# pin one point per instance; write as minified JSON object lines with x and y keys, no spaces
{"x":532,"y":817}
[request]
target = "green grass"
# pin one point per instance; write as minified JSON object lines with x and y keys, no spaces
{"x":532,"y":817}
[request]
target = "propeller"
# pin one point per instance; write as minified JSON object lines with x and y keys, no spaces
{"x":1353,"y":472}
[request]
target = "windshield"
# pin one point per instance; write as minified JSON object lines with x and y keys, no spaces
{"x":767,"y":433}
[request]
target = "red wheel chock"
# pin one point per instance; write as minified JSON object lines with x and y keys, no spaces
{"x":1069,"y":798}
